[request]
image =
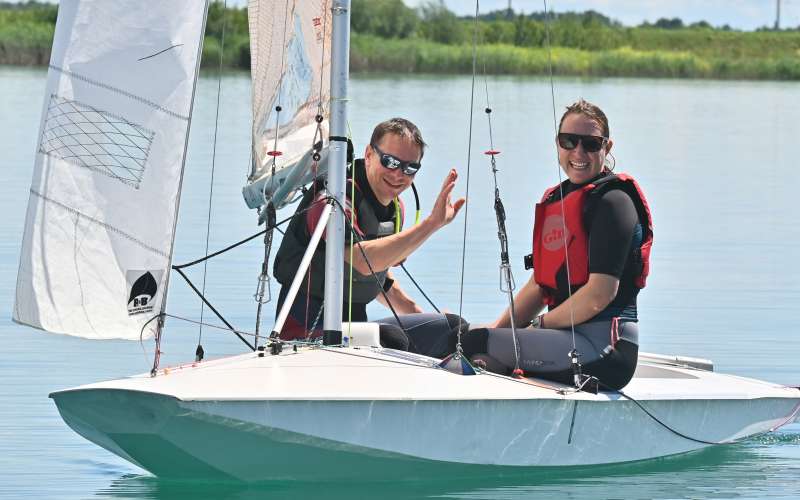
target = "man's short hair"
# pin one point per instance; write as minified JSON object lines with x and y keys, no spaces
{"x":401,"y":127}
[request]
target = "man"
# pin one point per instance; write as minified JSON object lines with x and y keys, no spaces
{"x":391,"y":161}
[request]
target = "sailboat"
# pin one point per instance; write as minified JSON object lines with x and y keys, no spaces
{"x":97,"y":254}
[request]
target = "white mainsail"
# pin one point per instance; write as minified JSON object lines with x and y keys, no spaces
{"x":97,"y":247}
{"x":290,"y":68}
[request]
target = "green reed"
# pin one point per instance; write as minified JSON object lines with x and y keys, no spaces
{"x":419,"y":56}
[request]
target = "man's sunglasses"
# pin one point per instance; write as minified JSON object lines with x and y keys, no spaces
{"x":392,"y":162}
{"x":591,"y":143}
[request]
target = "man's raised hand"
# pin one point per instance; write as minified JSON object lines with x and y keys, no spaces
{"x":444,"y":210}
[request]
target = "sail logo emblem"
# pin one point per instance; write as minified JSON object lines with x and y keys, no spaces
{"x":553,"y":233}
{"x":142,"y":291}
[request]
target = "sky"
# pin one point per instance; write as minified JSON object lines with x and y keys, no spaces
{"x":739,"y":14}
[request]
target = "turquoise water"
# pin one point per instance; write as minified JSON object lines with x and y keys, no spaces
{"x":717,"y":160}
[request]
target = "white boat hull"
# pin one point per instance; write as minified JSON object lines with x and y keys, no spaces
{"x":212,"y":420}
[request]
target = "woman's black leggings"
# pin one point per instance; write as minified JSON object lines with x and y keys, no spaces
{"x":608,"y":350}
{"x":430,"y":334}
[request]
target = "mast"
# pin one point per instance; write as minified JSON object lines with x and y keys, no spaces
{"x":160,"y":321}
{"x":334,"y":248}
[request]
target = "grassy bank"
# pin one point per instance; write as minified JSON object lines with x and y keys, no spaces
{"x":389,"y":37}
{"x":411,"y":56}
{"x":26,"y":33}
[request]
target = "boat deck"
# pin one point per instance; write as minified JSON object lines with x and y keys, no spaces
{"x":314,"y":373}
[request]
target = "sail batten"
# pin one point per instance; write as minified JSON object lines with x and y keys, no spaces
{"x":103,"y":201}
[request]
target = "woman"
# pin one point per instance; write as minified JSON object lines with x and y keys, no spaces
{"x":604,"y":220}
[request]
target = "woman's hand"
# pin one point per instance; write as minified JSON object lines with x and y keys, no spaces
{"x":528,"y":302}
{"x":585,"y":303}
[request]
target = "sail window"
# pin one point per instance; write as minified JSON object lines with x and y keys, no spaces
{"x":88,"y":137}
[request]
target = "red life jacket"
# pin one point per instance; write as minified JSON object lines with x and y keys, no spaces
{"x":553,"y":215}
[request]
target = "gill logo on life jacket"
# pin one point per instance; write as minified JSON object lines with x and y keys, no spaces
{"x":553,"y":236}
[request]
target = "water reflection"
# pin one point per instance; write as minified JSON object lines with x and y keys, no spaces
{"x":743,"y":470}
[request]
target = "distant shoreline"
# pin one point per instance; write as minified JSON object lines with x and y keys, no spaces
{"x":584,"y":45}
{"x":369,"y":54}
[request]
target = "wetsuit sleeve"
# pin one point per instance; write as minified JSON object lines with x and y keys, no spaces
{"x":611,"y":233}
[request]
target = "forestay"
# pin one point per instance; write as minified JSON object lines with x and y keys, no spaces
{"x":290,"y":68}
{"x":101,"y":216}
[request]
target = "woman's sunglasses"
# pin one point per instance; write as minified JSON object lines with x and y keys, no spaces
{"x":392,"y":162}
{"x":591,"y":143}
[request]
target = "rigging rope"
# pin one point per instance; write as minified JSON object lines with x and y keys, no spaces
{"x":352,"y":235}
{"x":199,"y":353}
{"x":355,"y":237}
{"x":278,"y":108}
{"x":641,"y":406}
{"x":667,"y":427}
{"x":459,"y":350}
{"x":419,"y":288}
{"x":500,"y":214}
{"x":217,"y":313}
{"x":574,"y":354}
{"x":241,"y":242}
{"x":317,"y":145}
{"x":210,"y":325}
{"x":180,"y":267}
{"x":263,"y":288}
{"x":308,"y":271}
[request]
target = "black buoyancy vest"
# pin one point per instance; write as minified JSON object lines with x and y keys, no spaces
{"x":297,"y":238}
